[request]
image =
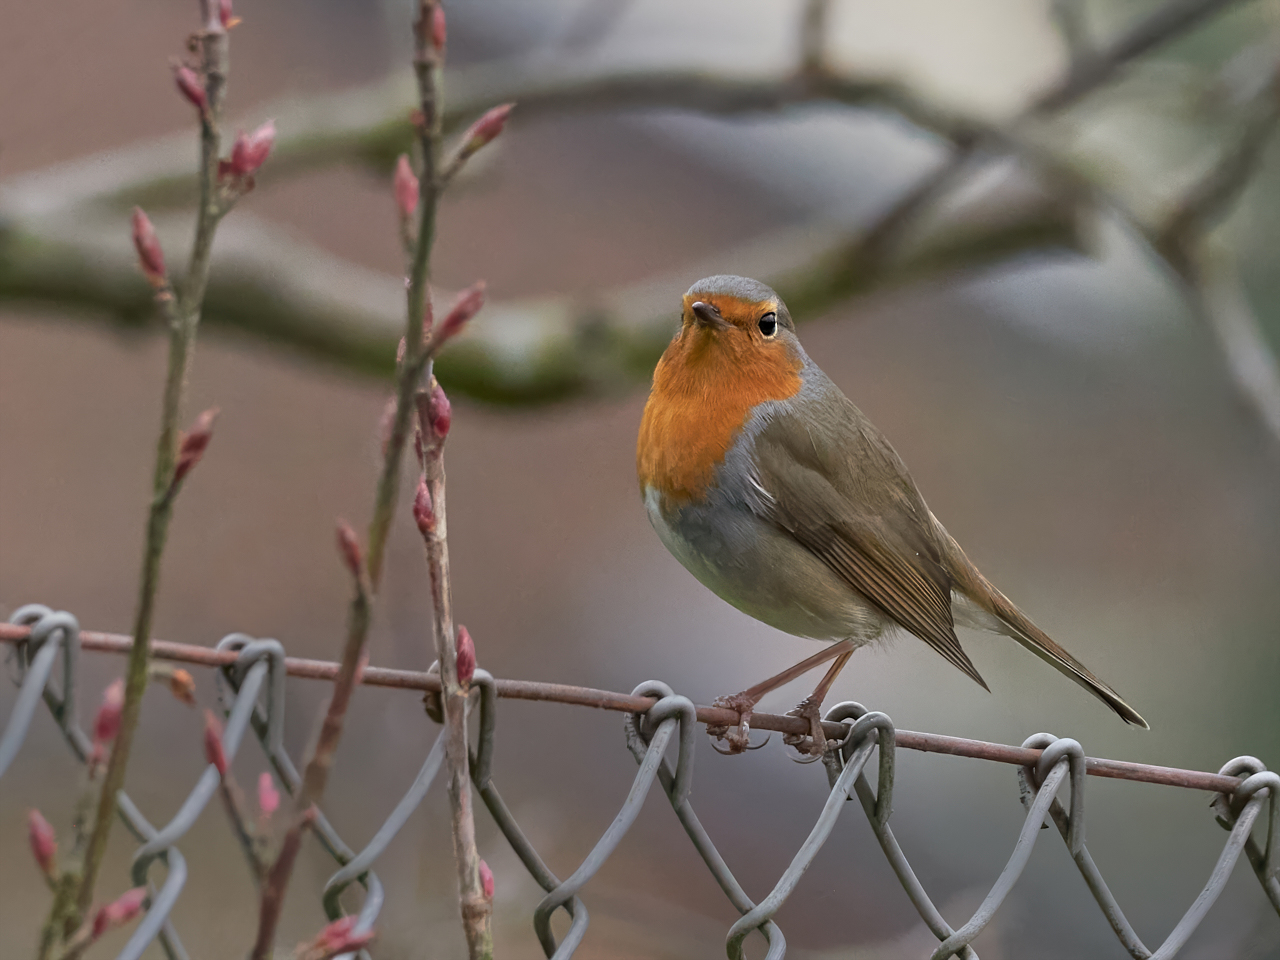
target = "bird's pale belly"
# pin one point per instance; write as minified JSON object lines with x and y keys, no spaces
{"x":764,"y":573}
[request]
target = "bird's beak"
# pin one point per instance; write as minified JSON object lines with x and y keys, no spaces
{"x":706,"y":315}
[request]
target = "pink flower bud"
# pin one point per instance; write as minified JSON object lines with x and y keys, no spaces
{"x":228,"y":19}
{"x":268,"y":795}
{"x":250,"y":150}
{"x":349,"y":548}
{"x":193,"y":444}
{"x":439,"y":411}
{"x":406,"y":186}
{"x":466,"y":306}
{"x":213,"y":751}
{"x":189,"y":86}
{"x":107,"y":722}
{"x":466,"y":656}
{"x":119,"y":912}
{"x":438,"y":31}
{"x":424,"y":514}
{"x":150,"y":256}
{"x":486,"y":880}
{"x":338,"y":937}
{"x":44,"y":843}
{"x":183,"y":686}
{"x":486,"y":129}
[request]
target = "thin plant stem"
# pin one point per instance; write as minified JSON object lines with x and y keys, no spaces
{"x":183,"y":317}
{"x":234,"y":803}
{"x":418,"y":351}
{"x":316,"y":775}
{"x":476,"y":907}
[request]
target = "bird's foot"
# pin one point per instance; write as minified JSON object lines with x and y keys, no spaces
{"x":737,"y":736}
{"x":815,"y":744}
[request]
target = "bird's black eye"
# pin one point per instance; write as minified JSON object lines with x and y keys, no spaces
{"x":769,"y":324}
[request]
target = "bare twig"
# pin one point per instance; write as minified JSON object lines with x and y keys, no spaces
{"x":369,"y":125}
{"x":532,"y":690}
{"x":1084,"y":75}
{"x":1211,"y":198}
{"x":1206,"y":268}
{"x":1168,"y":22}
{"x":1219,"y":298}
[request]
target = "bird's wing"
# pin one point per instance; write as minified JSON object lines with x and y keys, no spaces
{"x":836,"y":486}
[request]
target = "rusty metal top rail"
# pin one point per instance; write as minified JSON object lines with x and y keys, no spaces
{"x":626,"y":703}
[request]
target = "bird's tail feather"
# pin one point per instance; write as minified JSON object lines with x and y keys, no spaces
{"x":1014,"y":623}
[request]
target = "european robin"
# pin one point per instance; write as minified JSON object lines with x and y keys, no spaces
{"x":774,"y":490}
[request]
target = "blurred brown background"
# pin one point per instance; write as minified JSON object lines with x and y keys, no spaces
{"x":1065,"y":418}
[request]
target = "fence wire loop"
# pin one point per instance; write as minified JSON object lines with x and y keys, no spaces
{"x":64,"y":630}
{"x":482,"y":756}
{"x":669,"y":705}
{"x":1054,"y":750}
{"x":884,"y":734}
{"x":51,"y":633}
{"x":60,"y":630}
{"x":1256,"y":778}
{"x":251,"y":692}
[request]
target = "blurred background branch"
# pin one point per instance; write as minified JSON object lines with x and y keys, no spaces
{"x":973,"y":211}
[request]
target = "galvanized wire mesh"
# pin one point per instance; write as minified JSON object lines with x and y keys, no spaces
{"x":252,"y":694}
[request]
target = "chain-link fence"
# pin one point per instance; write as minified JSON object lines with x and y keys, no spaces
{"x":251,"y":687}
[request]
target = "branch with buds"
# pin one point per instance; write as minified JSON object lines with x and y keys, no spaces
{"x":115,"y":914}
{"x":315,"y":777}
{"x":481,"y":133}
{"x":338,"y":937}
{"x":66,"y":934}
{"x":252,"y":837}
{"x":455,"y":651}
{"x":222,"y":182}
{"x":416,"y":195}
{"x":290,"y":294}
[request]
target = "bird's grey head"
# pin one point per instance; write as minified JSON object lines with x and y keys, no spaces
{"x":739,"y":288}
{"x":724,"y":301}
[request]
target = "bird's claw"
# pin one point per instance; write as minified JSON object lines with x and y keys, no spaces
{"x":737,"y":737}
{"x":732,"y":751}
{"x":815,"y":744}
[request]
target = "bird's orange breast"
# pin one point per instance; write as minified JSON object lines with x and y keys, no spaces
{"x":704,"y":389}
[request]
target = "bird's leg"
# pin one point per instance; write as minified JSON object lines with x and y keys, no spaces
{"x":744,"y":703}
{"x":810,"y":708}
